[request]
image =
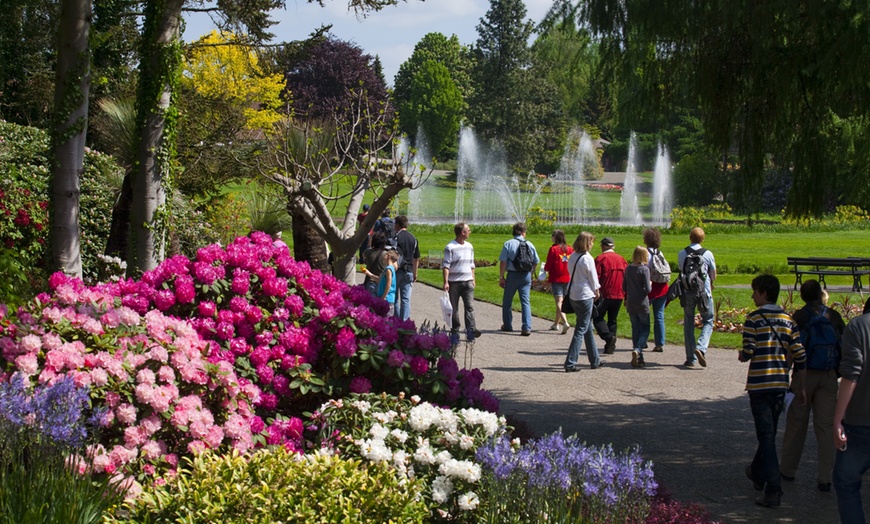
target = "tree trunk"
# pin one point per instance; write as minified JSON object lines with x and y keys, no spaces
{"x":72,"y":82}
{"x":119,"y":234}
{"x":159,"y":68}
{"x":308,"y":244}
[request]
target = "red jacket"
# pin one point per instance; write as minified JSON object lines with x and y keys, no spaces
{"x":556,"y":265}
{"x":610,"y":268}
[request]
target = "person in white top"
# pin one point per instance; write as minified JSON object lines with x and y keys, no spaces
{"x":458,"y":270}
{"x":582,"y":292}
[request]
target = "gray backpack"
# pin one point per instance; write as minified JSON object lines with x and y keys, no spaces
{"x":659,"y":269}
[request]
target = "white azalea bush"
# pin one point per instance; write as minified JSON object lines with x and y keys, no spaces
{"x":421,"y":441}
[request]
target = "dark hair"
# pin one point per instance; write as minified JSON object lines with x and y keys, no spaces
{"x":866,"y":307}
{"x":652,"y":237}
{"x":401,"y":222}
{"x":379,"y":240}
{"x":458,"y":228}
{"x":767,"y":284}
{"x":519,"y":228}
{"x":559,"y":238}
{"x":811,"y":291}
{"x":386,"y":212}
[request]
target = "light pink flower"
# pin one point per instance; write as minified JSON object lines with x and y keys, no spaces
{"x":28,"y":363}
{"x":126,"y":413}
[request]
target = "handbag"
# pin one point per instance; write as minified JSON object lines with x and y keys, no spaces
{"x":446,"y":309}
{"x":567,"y":307}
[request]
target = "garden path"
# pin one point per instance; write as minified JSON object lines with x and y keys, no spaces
{"x":695,"y":425}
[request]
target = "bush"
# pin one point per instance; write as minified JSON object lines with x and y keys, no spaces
{"x":417,"y":439}
{"x":275,"y":486}
{"x":697,"y":180}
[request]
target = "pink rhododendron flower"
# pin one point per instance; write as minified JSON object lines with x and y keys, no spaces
{"x":419,"y":366}
{"x":345,"y":343}
{"x":360,"y":385}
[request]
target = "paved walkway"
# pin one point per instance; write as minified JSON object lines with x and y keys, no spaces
{"x":695,"y":425}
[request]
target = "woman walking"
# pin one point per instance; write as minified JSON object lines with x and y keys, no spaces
{"x":556,"y":267}
{"x":660,"y":274}
{"x":582,"y":291}
{"x":636,"y":285}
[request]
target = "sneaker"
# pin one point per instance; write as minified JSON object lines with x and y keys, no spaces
{"x":564,"y":328}
{"x":600,"y":363}
{"x":640,"y":362}
{"x":555,"y":327}
{"x":689,"y":364}
{"x":635,"y":358}
{"x":525,"y":333}
{"x":476,"y":333}
{"x":702,"y":359}
{"x":756,"y":482}
{"x":769,"y":500}
{"x":572,"y":369}
{"x":505,"y":329}
{"x":658,"y":349}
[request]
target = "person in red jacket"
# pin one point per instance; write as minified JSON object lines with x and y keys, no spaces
{"x":610,"y":268}
{"x":557,"y":274}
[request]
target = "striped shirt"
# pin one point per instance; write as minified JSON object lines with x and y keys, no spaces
{"x":767,"y":332}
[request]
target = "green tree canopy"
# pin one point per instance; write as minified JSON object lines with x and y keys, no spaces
{"x":436,"y":104}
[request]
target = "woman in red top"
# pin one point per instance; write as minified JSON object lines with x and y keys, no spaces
{"x":557,"y":274}
{"x":658,"y":297}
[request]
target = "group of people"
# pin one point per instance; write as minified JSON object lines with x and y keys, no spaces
{"x":390,"y":263}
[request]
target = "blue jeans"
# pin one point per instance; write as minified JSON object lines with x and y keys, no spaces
{"x":404,"y":281}
{"x":639,"y":330}
{"x":583,"y":334}
{"x":848,"y":470}
{"x":657,"y":307}
{"x":517,"y":281}
{"x":766,"y":407}
{"x":689,"y":327}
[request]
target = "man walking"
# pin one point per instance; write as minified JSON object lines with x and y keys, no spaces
{"x":610,"y":268}
{"x":517,"y":262}
{"x":769,"y":335}
{"x":698,"y":269}
{"x":852,"y":419}
{"x":409,"y":260}
{"x":458,"y":270}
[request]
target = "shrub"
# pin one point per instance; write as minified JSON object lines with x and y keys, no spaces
{"x":417,"y":439}
{"x":40,"y":427}
{"x":275,"y":486}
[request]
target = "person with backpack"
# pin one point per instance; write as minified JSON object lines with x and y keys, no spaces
{"x":821,"y":329}
{"x":697,"y":273}
{"x":660,"y":275}
{"x":517,"y":263}
{"x":770,"y":337}
{"x":387,"y":226}
{"x":610,"y":267}
{"x":409,"y":261}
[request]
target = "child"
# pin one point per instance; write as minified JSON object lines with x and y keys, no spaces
{"x":637,"y":286}
{"x":387,"y":282}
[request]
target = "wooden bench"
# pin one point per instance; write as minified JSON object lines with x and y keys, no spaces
{"x":821,"y":267}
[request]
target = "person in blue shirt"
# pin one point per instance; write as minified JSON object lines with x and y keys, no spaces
{"x":512,"y":280}
{"x":387,"y":282}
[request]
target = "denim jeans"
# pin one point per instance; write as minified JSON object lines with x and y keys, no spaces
{"x":639,"y":330}
{"x":404,"y":281}
{"x":849,"y":468}
{"x":766,"y":407}
{"x":689,"y":327}
{"x":657,"y":307}
{"x":465,"y":291}
{"x":517,"y":281}
{"x":583,"y":334}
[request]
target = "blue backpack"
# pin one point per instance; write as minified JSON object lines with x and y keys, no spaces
{"x":821,"y":342}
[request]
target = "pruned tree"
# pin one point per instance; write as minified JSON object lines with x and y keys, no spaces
{"x":436,"y":105}
{"x":326,"y":167}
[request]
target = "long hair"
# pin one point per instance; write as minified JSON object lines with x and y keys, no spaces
{"x":559,"y":240}
{"x":584,"y":242}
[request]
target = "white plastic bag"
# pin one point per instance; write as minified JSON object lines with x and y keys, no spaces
{"x":446,"y":309}
{"x":542,"y":274}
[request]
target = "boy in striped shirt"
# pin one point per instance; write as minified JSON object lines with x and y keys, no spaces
{"x":769,"y":335}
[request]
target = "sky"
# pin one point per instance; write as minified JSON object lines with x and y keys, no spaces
{"x":390,"y":33}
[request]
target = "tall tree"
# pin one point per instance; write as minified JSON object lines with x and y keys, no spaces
{"x":436,"y":105}
{"x":513,"y":103}
{"x":69,"y":133}
{"x":775,"y":81}
{"x":442,"y":50}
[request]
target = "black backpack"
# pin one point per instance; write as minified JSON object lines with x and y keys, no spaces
{"x":388,"y":226}
{"x":693,"y":274}
{"x":524,"y":261}
{"x":821,"y":342}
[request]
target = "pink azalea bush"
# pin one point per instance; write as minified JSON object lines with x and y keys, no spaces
{"x":296,"y":334}
{"x":163,"y":398}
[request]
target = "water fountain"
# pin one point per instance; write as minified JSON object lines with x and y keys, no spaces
{"x":418,"y":161}
{"x":662,"y":194}
{"x":629,"y":212}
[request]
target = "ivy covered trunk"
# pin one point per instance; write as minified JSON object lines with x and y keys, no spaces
{"x":69,"y":133}
{"x":159,"y":74}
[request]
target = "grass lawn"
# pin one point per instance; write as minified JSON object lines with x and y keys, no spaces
{"x":739,"y":257}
